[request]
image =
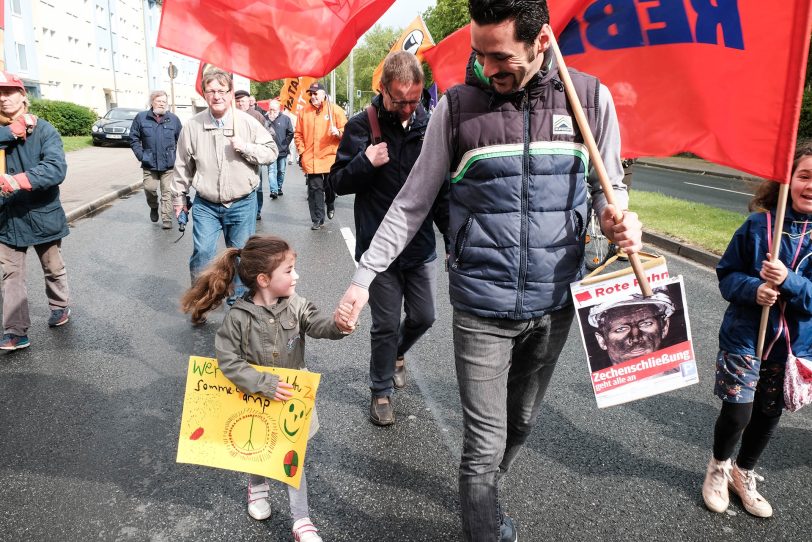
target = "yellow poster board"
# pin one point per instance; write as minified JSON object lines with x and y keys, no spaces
{"x":225,"y":428}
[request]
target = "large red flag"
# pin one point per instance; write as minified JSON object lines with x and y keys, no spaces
{"x":266,"y":40}
{"x":722,"y":79}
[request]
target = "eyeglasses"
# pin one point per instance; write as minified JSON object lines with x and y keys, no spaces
{"x":401,"y":104}
{"x":216,"y":92}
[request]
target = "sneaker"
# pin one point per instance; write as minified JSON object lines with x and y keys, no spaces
{"x":714,"y":489}
{"x":14,"y":342}
{"x":507,"y":531}
{"x":59,"y":317}
{"x":317,"y":226}
{"x":331,"y":213}
{"x":399,"y":378}
{"x":153,"y":214}
{"x":166,"y":225}
{"x":381,"y":411}
{"x":258,"y":506}
{"x":259,"y":216}
{"x":274,"y":195}
{"x":743,"y":483}
{"x":305,"y":531}
{"x":280,"y":193}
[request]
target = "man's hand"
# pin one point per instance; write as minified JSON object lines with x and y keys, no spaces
{"x":378,"y":154}
{"x":11,"y":183}
{"x":627,"y":234}
{"x":284,"y":391}
{"x":773,"y":272}
{"x":23,"y":125}
{"x":179,"y":204}
{"x":349,"y":308}
{"x":766,"y":296}
{"x":238,"y":143}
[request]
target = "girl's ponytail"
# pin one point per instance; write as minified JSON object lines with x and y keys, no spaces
{"x":211,"y":287}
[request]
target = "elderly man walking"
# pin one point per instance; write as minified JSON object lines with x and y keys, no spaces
{"x":30,"y":212}
{"x":153,"y":138}
{"x":218,"y":153}
{"x":375,"y":171}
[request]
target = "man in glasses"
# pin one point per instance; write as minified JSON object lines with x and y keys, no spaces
{"x":218,"y":153}
{"x":318,"y":131}
{"x":375,"y":172}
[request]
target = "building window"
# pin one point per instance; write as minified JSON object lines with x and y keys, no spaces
{"x":22,"y":60}
{"x":16,"y":9}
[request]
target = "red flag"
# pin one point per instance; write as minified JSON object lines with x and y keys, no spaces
{"x":266,"y":40}
{"x":719,"y":78}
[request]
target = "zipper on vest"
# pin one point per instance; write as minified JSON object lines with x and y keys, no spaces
{"x":523,"y":242}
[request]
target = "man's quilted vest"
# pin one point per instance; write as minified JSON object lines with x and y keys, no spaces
{"x":518,"y":198}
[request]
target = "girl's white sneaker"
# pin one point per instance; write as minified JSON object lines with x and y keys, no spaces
{"x":305,"y":531}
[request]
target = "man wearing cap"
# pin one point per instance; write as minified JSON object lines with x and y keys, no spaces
{"x":153,"y":139}
{"x":218,"y":153}
{"x":318,"y":132}
{"x":630,"y":328}
{"x":243,"y":100}
{"x":30,"y":212}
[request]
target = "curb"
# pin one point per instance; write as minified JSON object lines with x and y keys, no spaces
{"x":697,"y":255}
{"x":98,"y":203}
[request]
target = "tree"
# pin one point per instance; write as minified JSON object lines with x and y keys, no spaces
{"x":446,"y":17}
{"x":266,"y":90}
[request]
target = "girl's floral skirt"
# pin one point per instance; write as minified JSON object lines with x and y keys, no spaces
{"x":739,"y":378}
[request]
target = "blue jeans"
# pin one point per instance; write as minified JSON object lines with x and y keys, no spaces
{"x":415,"y":289}
{"x":263,"y":174}
{"x":237,"y":222}
{"x":276,"y":174}
{"x":503,"y":369}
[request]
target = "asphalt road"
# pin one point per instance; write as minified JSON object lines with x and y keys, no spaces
{"x":721,"y":192}
{"x":91,"y":412}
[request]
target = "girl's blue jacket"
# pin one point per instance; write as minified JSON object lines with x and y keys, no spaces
{"x":738,"y":273}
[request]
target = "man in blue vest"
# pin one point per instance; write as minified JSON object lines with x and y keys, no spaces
{"x":517,"y":211}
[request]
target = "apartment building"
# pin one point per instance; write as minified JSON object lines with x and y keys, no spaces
{"x":96,"y":53}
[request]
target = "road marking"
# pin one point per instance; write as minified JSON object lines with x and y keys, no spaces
{"x":349,"y":239}
{"x":722,"y":189}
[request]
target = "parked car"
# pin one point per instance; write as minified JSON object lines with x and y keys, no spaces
{"x":114,"y":126}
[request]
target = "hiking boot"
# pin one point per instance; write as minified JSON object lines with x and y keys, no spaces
{"x":258,"y":506}
{"x":743,"y":483}
{"x":11,"y":341}
{"x":714,"y":489}
{"x":153,"y":214}
{"x":399,"y":378}
{"x":305,"y":531}
{"x":507,"y":531}
{"x":59,"y":317}
{"x":381,"y":412}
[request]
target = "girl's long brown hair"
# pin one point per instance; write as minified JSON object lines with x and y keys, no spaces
{"x":261,"y":254}
{"x":766,"y":196}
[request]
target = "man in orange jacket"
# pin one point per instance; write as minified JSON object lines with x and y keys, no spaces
{"x":318,"y":132}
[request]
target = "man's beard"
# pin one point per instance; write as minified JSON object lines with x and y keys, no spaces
{"x":159,"y":110}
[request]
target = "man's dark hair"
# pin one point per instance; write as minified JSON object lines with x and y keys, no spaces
{"x":529,"y":15}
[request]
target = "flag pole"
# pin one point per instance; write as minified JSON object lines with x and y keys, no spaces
{"x":597,"y":161}
{"x":778,"y":230}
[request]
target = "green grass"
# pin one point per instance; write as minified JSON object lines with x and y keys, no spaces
{"x":73,"y":143}
{"x":693,"y":223}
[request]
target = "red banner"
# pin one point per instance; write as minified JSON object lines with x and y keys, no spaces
{"x":722,"y":79}
{"x":269,"y":39}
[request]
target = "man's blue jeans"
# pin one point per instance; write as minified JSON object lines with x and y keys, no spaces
{"x":237,"y":222}
{"x":503,"y":369}
{"x":276,"y":174}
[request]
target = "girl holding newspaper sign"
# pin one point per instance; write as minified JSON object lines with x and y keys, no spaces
{"x":752,"y":389}
{"x":267,"y":326}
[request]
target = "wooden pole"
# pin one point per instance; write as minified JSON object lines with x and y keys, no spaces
{"x":778,"y":230}
{"x":595,"y":156}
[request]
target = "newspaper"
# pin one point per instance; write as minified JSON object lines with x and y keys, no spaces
{"x":636,"y":346}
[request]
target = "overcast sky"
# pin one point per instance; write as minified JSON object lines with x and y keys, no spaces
{"x":403,"y":12}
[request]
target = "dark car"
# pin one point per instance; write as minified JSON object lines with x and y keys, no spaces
{"x":114,"y":127}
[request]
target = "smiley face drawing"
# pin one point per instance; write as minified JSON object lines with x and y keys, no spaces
{"x":292,"y":419}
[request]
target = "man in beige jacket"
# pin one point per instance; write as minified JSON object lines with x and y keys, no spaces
{"x":218,"y":153}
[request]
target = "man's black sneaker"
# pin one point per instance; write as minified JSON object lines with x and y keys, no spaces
{"x":153,"y":214}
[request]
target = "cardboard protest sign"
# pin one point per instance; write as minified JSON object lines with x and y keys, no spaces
{"x":636,"y":346}
{"x":225,"y":428}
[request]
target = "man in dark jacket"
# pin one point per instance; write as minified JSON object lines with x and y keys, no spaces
{"x":282,"y":129}
{"x":153,"y":138}
{"x":30,"y":212}
{"x":375,"y":172}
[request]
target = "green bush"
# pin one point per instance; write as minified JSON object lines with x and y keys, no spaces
{"x":68,"y":118}
{"x":805,"y":122}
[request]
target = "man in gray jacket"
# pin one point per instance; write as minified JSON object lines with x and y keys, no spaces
{"x":517,"y":210}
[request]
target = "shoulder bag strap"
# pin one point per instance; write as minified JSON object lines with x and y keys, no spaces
{"x":374,"y":127}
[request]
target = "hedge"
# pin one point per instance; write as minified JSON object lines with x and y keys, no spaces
{"x":68,"y":118}
{"x":805,"y":123}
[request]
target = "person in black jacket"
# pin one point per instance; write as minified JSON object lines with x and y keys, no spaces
{"x":283,"y":135}
{"x":375,"y":172}
{"x":153,"y":138}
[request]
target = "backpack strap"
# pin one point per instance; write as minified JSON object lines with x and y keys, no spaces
{"x":374,"y":127}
